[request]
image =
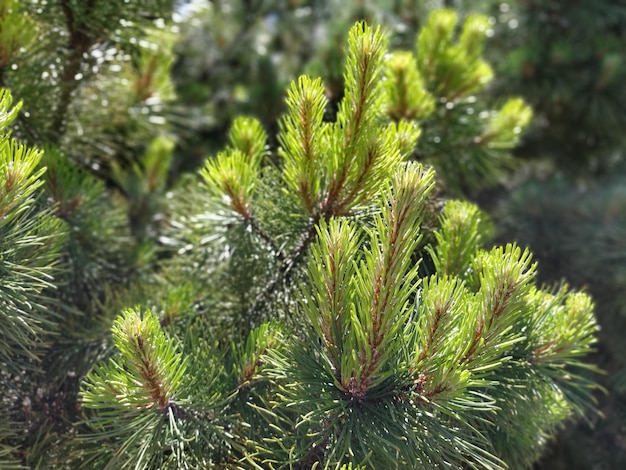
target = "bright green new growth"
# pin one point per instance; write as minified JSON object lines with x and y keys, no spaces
{"x":407,"y":97}
{"x":235,"y":170}
{"x":462,"y":346}
{"x":30,"y":241}
{"x":18,"y":163}
{"x":150,"y":370}
{"x":453,"y":70}
{"x":332,"y":168}
{"x":302,"y":141}
{"x":463,"y":229}
{"x":365,"y":361}
{"x":248,"y":136}
{"x":358,"y":306}
{"x":137,"y":397}
{"x":467,"y":143}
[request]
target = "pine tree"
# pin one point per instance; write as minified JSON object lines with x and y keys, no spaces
{"x":320,"y":306}
{"x":343,"y":351}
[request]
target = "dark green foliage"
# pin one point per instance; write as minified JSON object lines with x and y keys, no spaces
{"x":99,"y":250}
{"x":567,"y":60}
{"x":30,"y":252}
{"x":93,"y":88}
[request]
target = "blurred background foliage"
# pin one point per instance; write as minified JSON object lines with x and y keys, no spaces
{"x":567,"y":59}
{"x":238,"y":57}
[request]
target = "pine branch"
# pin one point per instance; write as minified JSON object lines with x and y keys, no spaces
{"x":301,"y":138}
{"x":357,"y":111}
{"x":284,"y":272}
{"x":148,"y":373}
{"x":391,"y":370}
{"x":30,"y":242}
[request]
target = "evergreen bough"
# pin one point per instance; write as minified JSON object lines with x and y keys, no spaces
{"x":319,"y":309}
{"x":346,"y":352}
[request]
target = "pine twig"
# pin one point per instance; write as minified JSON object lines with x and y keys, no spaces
{"x":283,"y":274}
